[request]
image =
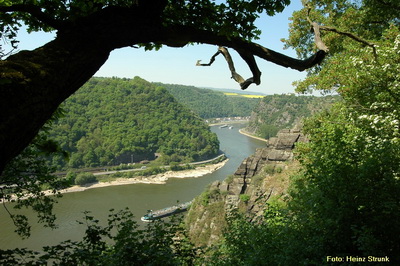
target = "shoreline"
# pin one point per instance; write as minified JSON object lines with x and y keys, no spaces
{"x":228,"y":122}
{"x":158,"y":179}
{"x":241,"y":131}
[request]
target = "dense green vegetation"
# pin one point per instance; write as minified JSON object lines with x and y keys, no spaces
{"x":276,"y":112}
{"x":211,"y":104}
{"x":157,"y":244}
{"x":111,"y":121}
{"x":344,"y":203}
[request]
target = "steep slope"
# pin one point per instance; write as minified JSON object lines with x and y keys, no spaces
{"x":259,"y":178}
{"x":111,"y":121}
{"x":277,"y":112}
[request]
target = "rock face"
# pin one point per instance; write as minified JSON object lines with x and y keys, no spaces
{"x":253,"y":183}
{"x":285,"y":111}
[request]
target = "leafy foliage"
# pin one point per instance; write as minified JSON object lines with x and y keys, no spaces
{"x":112,"y":121}
{"x":84,"y":178}
{"x":120,"y":242}
{"x":23,"y":182}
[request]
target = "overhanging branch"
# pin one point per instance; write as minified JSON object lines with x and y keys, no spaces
{"x":247,"y":50}
{"x":36,"y":12}
{"x":248,"y":57}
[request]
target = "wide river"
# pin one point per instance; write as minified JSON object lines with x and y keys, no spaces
{"x":137,"y":197}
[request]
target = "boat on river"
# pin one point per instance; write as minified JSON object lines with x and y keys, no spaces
{"x":154,"y":215}
{"x":223,"y":126}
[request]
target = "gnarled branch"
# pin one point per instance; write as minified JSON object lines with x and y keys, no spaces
{"x":248,"y":57}
{"x":247,"y":50}
{"x":212,"y":59}
{"x":251,"y":62}
{"x":320,"y":44}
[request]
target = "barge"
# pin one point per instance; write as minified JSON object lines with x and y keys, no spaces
{"x":154,"y":215}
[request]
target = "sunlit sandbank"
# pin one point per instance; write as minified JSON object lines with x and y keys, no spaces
{"x":153,"y":179}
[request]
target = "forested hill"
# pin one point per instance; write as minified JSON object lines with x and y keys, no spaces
{"x":211,"y":104}
{"x":111,"y":121}
{"x":276,"y":112}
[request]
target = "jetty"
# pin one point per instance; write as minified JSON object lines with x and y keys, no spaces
{"x":154,"y":215}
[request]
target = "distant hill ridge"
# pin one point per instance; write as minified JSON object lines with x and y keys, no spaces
{"x":208,"y":103}
{"x":276,"y":112}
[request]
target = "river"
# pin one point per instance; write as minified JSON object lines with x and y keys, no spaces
{"x":137,"y":197}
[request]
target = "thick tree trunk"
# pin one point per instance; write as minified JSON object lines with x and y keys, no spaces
{"x":34,"y":83}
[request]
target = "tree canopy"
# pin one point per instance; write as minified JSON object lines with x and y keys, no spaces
{"x":34,"y":83}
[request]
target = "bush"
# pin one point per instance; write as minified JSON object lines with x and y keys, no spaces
{"x":244,"y":198}
{"x":70,"y":177}
{"x":85,"y":178}
{"x":174,"y":166}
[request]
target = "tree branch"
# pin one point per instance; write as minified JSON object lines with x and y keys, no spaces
{"x":34,"y":83}
{"x":36,"y":12}
{"x":212,"y":59}
{"x":251,"y":62}
{"x":248,"y":57}
{"x":317,"y":34}
{"x":247,"y":50}
{"x":238,"y":78}
{"x":224,"y":51}
{"x":320,"y":44}
{"x":351,"y":36}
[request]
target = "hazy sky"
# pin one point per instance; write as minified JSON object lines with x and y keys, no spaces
{"x":177,"y":65}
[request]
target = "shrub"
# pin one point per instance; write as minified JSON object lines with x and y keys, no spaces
{"x":244,"y":198}
{"x":70,"y":177}
{"x":85,"y":178}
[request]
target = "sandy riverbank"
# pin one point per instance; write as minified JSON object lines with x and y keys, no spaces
{"x":241,"y":131}
{"x":154,"y":179}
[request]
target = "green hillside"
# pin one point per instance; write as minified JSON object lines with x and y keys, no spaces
{"x":276,"y":112}
{"x":111,"y":121}
{"x":210,"y":103}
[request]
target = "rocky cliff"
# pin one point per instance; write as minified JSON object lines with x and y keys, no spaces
{"x":259,"y":177}
{"x":276,"y":112}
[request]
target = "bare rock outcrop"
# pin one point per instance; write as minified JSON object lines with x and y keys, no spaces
{"x":247,"y":190}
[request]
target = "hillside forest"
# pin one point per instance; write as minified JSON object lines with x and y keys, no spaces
{"x":209,"y":103}
{"x":110,"y":121}
{"x":275,"y":112}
